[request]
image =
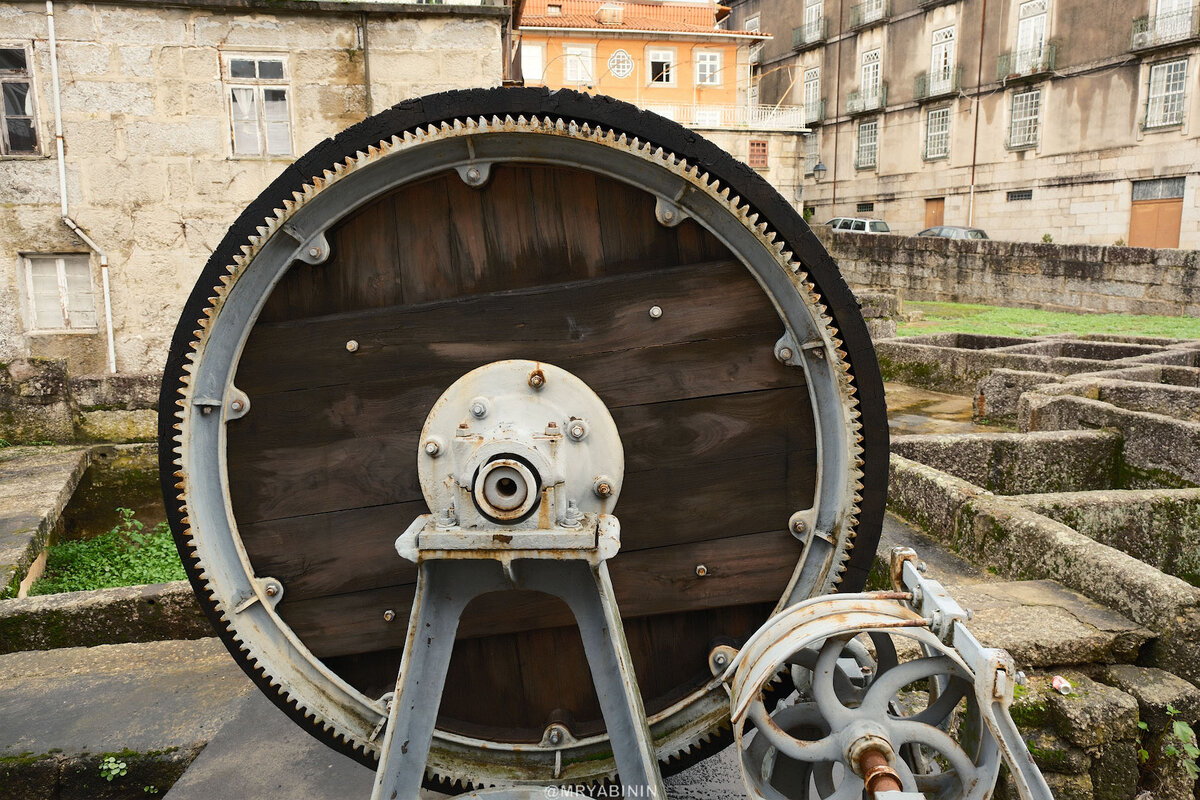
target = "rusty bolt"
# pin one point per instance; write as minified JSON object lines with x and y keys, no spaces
{"x":555,"y":737}
{"x":473,"y":175}
{"x":818,"y":353}
{"x":237,"y":405}
{"x":272,"y":589}
{"x":784,"y":354}
{"x":668,"y":215}
{"x":432,"y":448}
{"x":865,"y":669}
{"x":799,"y":526}
{"x":552,"y":428}
{"x":352,"y":346}
{"x":701,"y":570}
{"x":463,"y":430}
{"x":205,"y":410}
{"x":314,"y":251}
{"x":602,"y":488}
{"x":537,"y":379}
{"x":389,"y":615}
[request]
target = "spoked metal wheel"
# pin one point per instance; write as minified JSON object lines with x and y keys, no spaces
{"x":469,"y":228}
{"x":876,"y":692}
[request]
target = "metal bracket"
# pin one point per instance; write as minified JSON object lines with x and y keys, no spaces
{"x":668,"y":213}
{"x":475,"y":174}
{"x":314,"y":247}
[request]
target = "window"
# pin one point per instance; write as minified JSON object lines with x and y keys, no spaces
{"x":1031,"y":36}
{"x":620,"y":64}
{"x":941,"y":62}
{"x":813,"y":13}
{"x":579,"y":60}
{"x":662,"y":67}
{"x":868,"y":145}
{"x":1023,"y":127}
{"x":1017,"y":195}
{"x":937,"y":133}
{"x":865,"y":208}
{"x":1165,"y":106}
{"x":554,"y":9}
{"x":708,"y":67}
{"x":758,"y":154}
{"x":870,"y":78}
{"x":18,"y":124}
{"x":812,"y":153}
{"x":812,"y":95}
{"x":259,"y":111}
{"x":751,"y":24}
{"x":1158,"y":189}
{"x":59,"y":291}
{"x":1173,"y":20}
{"x":533,"y":62}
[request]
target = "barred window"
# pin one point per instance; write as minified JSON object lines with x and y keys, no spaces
{"x":1017,"y":195}
{"x":1158,"y":189}
{"x":758,"y":154}
{"x":868,"y":145}
{"x":1165,"y":106}
{"x":937,"y":133}
{"x":18,"y":124}
{"x":812,"y":153}
{"x":1023,"y":127}
{"x":864,"y":208}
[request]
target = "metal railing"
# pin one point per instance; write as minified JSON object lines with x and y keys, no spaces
{"x":1032,"y":61}
{"x":867,"y":12}
{"x":859,"y":103}
{"x":810,"y":33}
{"x":939,"y":83}
{"x":1154,"y":31}
{"x":814,"y":112}
{"x":762,"y":118}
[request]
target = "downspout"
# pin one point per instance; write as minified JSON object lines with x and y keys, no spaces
{"x":978,"y":100}
{"x":62,"y":192}
{"x":366,"y":45}
{"x":837,"y":108}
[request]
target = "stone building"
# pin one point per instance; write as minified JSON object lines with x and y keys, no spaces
{"x":1074,"y":118}
{"x":173,"y":119}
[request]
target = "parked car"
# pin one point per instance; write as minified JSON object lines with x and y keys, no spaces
{"x":859,"y":225}
{"x":954,"y":232}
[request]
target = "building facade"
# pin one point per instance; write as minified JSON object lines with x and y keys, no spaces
{"x":173,"y":119}
{"x":1071,"y":120}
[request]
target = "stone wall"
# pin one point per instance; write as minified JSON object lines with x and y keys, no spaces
{"x":1079,"y":278}
{"x":151,"y":175}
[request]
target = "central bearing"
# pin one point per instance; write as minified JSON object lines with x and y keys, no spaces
{"x":519,"y":444}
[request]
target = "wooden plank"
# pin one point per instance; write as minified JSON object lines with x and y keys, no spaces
{"x":742,"y":570}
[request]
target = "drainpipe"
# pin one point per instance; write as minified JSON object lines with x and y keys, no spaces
{"x":62,"y":192}
{"x":978,"y":100}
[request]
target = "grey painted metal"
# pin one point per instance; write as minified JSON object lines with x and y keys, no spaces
{"x":267,"y":641}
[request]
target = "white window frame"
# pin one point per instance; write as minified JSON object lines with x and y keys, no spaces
{"x":66,"y":299}
{"x":814,"y":11}
{"x":25,"y":77}
{"x":527,"y":61}
{"x":942,"y":61}
{"x":1166,"y":97}
{"x":937,"y":133}
{"x":258,"y":88}
{"x":871,"y":77}
{"x":1172,"y":20}
{"x":752,"y":24}
{"x":1032,"y":19}
{"x":579,"y":63}
{"x":812,"y":152}
{"x":812,"y":94}
{"x":1024,"y":120}
{"x":668,"y":55}
{"x":709,"y":64}
{"x":866,"y":149}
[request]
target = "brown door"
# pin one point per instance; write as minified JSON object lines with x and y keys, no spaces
{"x":935,"y":211}
{"x":1153,"y":223}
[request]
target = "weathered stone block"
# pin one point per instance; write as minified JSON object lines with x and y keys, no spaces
{"x":1093,"y":714}
{"x":1155,"y":690}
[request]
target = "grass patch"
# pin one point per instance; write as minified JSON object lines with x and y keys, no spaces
{"x":998,"y":321}
{"x":127,"y":555}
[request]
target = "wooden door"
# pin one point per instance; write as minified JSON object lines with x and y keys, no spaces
{"x":935,"y":211}
{"x":1155,"y":223}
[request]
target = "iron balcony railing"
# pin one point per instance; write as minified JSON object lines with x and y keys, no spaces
{"x":814,"y":112}
{"x":859,"y":103}
{"x":1023,"y":63}
{"x":942,"y":82}
{"x":1164,"y":29}
{"x":810,"y":33}
{"x":761,"y":118}
{"x":868,"y":12}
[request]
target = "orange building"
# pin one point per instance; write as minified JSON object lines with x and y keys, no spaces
{"x":669,"y":57}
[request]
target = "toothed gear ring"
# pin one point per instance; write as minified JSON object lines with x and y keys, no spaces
{"x":467,"y":228}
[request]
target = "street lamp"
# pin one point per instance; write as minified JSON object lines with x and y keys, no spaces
{"x":819,"y":171}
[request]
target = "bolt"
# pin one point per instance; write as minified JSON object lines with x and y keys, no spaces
{"x":655,"y":312}
{"x":389,"y":615}
{"x":537,"y":379}
{"x":865,"y":669}
{"x":701,"y":570}
{"x":720,"y":659}
{"x":785,"y":354}
{"x":463,"y":430}
{"x":352,"y":346}
{"x":205,"y":410}
{"x":555,"y":737}
{"x":473,"y":175}
{"x":236,"y":405}
{"x":922,"y":567}
{"x":799,"y":526}
{"x":432,"y":448}
{"x":668,"y":215}
{"x":577,"y":431}
{"x":272,"y":589}
{"x":314,"y":251}
{"x":818,"y":354}
{"x":552,"y":429}
{"x":602,"y":488}
{"x":478,"y":409}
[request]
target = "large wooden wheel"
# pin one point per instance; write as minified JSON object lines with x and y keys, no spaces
{"x":470,"y":227}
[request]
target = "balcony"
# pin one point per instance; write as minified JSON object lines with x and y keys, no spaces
{"x":925,"y":5}
{"x":868,"y":13}
{"x":810,"y":34}
{"x":755,"y":53}
{"x":942,"y":83}
{"x":754,"y":118}
{"x":860,"y":103}
{"x":814,"y":113}
{"x":1165,"y":30}
{"x":1031,"y":63}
